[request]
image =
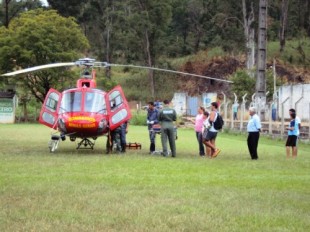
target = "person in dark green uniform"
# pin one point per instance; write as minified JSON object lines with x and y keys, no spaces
{"x":166,"y":117}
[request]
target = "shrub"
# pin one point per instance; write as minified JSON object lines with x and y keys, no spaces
{"x":138,"y":118}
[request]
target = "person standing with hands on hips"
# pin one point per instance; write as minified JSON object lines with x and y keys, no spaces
{"x":166,"y":117}
{"x":254,"y":127}
{"x":152,"y":119}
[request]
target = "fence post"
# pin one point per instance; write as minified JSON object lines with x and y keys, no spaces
{"x":232,"y":118}
{"x":219,"y":109}
{"x":242,"y":111}
{"x":296,"y":103}
{"x":270,"y":118}
{"x":232,"y":111}
{"x":225,"y":110}
{"x":282,"y":117}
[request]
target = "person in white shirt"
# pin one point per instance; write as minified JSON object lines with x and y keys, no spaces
{"x":204,"y":132}
{"x":254,"y":126}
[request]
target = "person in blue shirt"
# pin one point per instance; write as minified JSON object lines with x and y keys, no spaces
{"x":235,"y":110}
{"x":152,"y":119}
{"x":253,"y":128}
{"x":291,"y":142}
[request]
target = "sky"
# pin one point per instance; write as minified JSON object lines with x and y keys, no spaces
{"x":44,"y":2}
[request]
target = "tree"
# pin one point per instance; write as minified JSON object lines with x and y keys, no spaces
{"x":249,"y":34}
{"x":242,"y":84}
{"x":283,"y":23}
{"x":12,"y":8}
{"x":68,"y":8}
{"x":147,"y":23}
{"x":40,"y":37}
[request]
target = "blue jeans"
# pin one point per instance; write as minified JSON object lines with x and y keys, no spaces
{"x":199,"y":139}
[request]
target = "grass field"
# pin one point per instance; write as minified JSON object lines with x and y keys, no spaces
{"x":87,"y":190}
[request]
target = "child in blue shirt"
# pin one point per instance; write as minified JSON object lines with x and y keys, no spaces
{"x":291,"y":142}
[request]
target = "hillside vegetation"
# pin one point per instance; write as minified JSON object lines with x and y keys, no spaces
{"x":292,"y":67}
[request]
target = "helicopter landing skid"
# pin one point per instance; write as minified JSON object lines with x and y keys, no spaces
{"x":53,"y":143}
{"x":85,"y":144}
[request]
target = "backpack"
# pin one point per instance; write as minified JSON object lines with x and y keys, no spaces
{"x":218,"y":123}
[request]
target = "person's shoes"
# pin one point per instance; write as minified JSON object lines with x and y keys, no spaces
{"x":216,"y":153}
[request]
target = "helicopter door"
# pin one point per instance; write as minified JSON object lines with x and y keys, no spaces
{"x":117,"y":107}
{"x":48,"y":114}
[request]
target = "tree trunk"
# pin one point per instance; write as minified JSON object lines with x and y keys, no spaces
{"x":25,"y":110}
{"x":150,"y":63}
{"x":6,"y":20}
{"x":283,"y":23}
{"x":249,"y":34}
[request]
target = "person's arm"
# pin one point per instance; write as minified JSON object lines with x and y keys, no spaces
{"x":127,"y":125}
{"x":212,"y":116}
{"x":292,"y":125}
{"x":155,"y":118}
{"x":159,"y":116}
{"x":174,"y":115}
{"x":258,"y":124}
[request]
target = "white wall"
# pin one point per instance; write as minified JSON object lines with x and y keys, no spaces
{"x":179,"y":103}
{"x":299,"y":99}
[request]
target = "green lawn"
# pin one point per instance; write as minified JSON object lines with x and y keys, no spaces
{"x":87,"y":190}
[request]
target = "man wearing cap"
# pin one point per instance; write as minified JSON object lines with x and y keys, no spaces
{"x":253,"y":128}
{"x":166,"y":117}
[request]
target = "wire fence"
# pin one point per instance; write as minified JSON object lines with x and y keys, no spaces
{"x":273,"y":124}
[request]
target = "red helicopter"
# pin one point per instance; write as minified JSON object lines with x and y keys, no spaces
{"x":83,"y":112}
{"x":86,"y":112}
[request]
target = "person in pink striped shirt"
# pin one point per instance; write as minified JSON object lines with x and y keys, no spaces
{"x":198,"y":129}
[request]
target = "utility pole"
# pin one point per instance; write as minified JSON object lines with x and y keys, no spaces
{"x":260,"y":96}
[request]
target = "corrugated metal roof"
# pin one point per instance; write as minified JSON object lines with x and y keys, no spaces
{"x":7,"y":94}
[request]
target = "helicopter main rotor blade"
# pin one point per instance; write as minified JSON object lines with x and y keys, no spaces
{"x":165,"y":70}
{"x":38,"y":68}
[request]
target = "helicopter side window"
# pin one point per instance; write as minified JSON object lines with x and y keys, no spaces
{"x":52,"y":101}
{"x":115,"y":100}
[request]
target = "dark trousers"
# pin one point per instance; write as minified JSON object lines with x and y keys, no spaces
{"x":253,"y":138}
{"x":199,"y":139}
{"x":167,"y":133}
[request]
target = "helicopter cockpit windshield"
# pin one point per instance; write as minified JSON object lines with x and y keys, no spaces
{"x":71,"y":102}
{"x":93,"y":102}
